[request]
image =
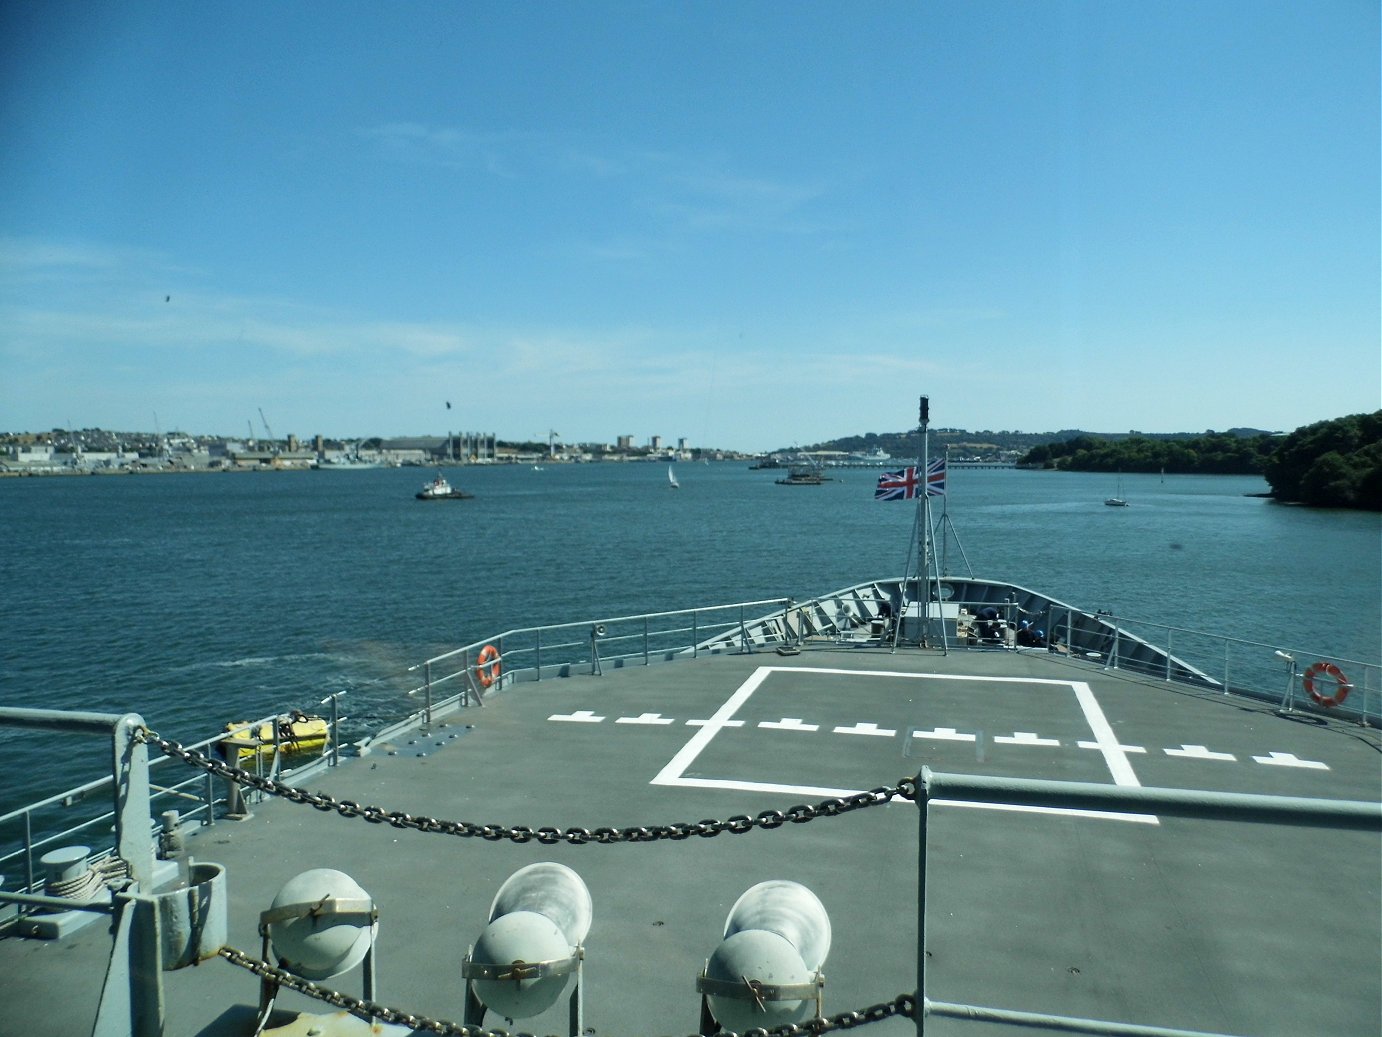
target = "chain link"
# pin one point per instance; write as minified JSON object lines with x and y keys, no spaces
{"x":768,"y":820}
{"x":903,"y":1005}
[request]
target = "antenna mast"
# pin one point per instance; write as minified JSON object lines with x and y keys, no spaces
{"x":927,"y":583}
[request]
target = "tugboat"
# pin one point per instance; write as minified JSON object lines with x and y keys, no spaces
{"x":440,"y":489}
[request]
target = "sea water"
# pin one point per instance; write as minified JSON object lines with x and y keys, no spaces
{"x":197,"y":599}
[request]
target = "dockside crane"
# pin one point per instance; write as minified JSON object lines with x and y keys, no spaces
{"x":267,"y":431}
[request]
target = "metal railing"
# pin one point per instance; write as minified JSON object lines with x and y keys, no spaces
{"x":1148,"y":648}
{"x":460,"y":677}
{"x":1346,"y":815}
{"x":32,"y":830}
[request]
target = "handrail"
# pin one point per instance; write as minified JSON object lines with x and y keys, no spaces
{"x":1348,"y":815}
{"x":639,"y":617}
{"x":129,"y":782}
{"x":125,"y":820}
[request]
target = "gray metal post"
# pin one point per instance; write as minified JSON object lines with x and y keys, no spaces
{"x":134,"y":842}
{"x":131,"y":1002}
{"x":923,"y":797}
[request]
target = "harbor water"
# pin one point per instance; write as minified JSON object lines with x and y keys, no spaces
{"x":195,"y":600}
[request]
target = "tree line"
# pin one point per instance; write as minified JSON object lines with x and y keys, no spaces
{"x":1334,"y":464}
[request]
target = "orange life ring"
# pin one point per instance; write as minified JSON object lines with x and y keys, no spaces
{"x":487,"y":666}
{"x":1340,"y":693}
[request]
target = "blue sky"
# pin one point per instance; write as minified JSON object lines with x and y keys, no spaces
{"x":750,"y":224}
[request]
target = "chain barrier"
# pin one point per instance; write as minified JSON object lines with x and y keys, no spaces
{"x":903,"y":1005}
{"x":768,"y":820}
{"x":708,"y":828}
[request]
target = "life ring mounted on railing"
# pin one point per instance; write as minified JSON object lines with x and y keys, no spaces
{"x":487,"y":666}
{"x":1342,"y":685}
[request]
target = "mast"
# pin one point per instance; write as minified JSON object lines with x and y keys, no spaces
{"x":928,"y":569}
{"x":923,"y":497}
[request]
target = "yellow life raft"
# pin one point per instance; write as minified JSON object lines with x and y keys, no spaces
{"x":297,"y":733}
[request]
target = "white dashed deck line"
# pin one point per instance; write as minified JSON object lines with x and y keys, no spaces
{"x":866,"y":729}
{"x":722,"y":723}
{"x":654,"y":719}
{"x":940,"y":734}
{"x":1024,"y":738}
{"x":1199,"y":752}
{"x":580,"y":716}
{"x":787,"y":724}
{"x":1290,"y":760}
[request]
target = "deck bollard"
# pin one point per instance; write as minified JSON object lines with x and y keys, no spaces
{"x":170,"y":841}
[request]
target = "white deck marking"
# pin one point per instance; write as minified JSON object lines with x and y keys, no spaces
{"x":940,"y":734}
{"x":1098,"y":815}
{"x":1199,"y":752}
{"x":1290,"y":760}
{"x":1024,"y":738}
{"x":644,"y":718}
{"x":759,"y":786}
{"x":581,"y":716}
{"x":1105,"y":740}
{"x":866,"y":729}
{"x":1121,"y":748}
{"x":686,"y":755}
{"x":788,"y":724}
{"x":1115,"y":754}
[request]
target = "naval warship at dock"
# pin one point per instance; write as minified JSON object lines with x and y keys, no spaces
{"x":893,"y":806}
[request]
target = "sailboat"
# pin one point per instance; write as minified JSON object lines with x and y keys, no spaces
{"x":672,"y":478}
{"x":1118,"y":500}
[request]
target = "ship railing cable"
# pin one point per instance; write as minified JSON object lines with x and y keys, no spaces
{"x":547,"y":835}
{"x":904,"y":1005}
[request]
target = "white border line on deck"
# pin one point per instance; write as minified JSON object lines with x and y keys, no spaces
{"x":1120,"y":768}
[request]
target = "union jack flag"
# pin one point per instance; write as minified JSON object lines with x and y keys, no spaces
{"x":935,"y":478}
{"x":904,"y":483}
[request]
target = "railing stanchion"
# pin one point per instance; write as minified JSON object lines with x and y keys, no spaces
{"x":923,"y":800}
{"x":427,"y":697}
{"x":28,"y":853}
{"x":336,"y":730}
{"x":646,"y":658}
{"x":537,"y":651}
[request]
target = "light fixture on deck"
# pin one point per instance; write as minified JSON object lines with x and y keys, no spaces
{"x":767,"y":970}
{"x":533,"y":944}
{"x":321,"y":924}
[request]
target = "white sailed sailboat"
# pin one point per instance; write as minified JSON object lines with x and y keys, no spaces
{"x":1118,"y":500}
{"x":672,"y":478}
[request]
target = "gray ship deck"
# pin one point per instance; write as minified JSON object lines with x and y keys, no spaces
{"x":1228,"y":927}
